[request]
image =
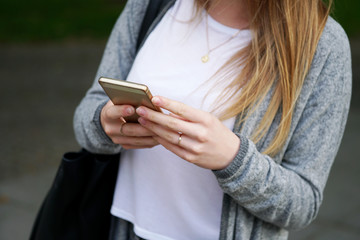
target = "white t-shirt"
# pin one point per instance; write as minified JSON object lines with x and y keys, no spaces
{"x":164,"y":196}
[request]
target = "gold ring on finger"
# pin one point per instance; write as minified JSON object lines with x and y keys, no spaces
{"x":179,"y":139}
{"x":121,"y":127}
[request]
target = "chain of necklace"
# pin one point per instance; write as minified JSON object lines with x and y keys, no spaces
{"x":205,"y":58}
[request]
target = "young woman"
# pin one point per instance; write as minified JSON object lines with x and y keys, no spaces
{"x":255,"y":97}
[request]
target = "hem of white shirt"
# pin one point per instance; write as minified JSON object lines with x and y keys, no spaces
{"x":139,"y":231}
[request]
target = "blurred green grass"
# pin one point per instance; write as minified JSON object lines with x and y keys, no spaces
{"x":41,"y":20}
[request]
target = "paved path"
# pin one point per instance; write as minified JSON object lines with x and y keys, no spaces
{"x":41,"y":86}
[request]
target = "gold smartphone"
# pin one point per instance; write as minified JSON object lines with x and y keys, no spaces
{"x":123,"y":92}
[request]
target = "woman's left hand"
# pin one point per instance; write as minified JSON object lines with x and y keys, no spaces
{"x":194,"y":135}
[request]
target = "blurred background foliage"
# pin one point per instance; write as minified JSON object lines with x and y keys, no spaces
{"x":49,"y":20}
{"x":43,"y":20}
{"x":346,"y":12}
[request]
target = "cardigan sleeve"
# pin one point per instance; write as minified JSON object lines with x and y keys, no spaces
{"x":288,"y":192}
{"x":116,"y":62}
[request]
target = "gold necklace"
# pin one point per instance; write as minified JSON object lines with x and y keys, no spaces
{"x":205,"y":58}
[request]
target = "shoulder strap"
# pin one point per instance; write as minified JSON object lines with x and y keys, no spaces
{"x":152,"y":11}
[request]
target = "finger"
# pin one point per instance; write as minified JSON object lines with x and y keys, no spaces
{"x":135,"y":130}
{"x":137,"y":147}
{"x":135,"y":141}
{"x":119,"y":111}
{"x":149,"y":116}
{"x":171,"y":136}
{"x":178,"y":108}
{"x":178,"y":117}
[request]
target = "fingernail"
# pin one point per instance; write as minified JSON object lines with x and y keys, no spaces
{"x":156,"y":100}
{"x":140,"y":111}
{"x":129,"y":110}
{"x":142,"y":121}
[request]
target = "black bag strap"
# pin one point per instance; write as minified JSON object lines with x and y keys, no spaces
{"x":153,"y":10}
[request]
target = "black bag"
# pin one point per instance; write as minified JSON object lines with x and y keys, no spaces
{"x":78,"y":203}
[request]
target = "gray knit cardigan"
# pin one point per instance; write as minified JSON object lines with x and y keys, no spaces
{"x":264,"y":197}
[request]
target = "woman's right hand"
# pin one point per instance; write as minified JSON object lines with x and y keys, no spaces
{"x":128,"y":135}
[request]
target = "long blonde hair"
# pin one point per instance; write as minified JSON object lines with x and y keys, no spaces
{"x":285,"y":37}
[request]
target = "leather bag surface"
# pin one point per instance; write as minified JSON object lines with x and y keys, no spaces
{"x":78,"y":203}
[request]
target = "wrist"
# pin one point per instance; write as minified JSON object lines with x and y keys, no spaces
{"x":236,"y":161}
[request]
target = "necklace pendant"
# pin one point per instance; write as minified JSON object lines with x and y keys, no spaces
{"x":205,"y":58}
